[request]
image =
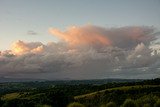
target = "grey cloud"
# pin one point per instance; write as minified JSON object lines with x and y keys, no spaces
{"x":31,"y":32}
{"x":128,"y":55}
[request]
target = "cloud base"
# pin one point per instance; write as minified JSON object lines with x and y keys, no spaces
{"x":86,"y":52}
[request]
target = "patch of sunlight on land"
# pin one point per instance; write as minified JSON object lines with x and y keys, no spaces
{"x":34,"y":96}
{"x":11,"y":96}
{"x":124,"y":88}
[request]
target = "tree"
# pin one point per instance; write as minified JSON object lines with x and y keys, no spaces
{"x":157,"y":104}
{"x":111,"y":104}
{"x":129,"y":103}
{"x":75,"y":104}
{"x":1,"y":102}
{"x":146,"y":105}
{"x":43,"y":105}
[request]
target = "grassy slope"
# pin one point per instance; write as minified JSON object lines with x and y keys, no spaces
{"x":89,"y":95}
{"x":10,"y":96}
{"x":124,"y":88}
{"x":24,"y":95}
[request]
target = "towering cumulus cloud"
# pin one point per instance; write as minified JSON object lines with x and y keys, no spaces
{"x":86,"y":52}
{"x":86,"y":35}
{"x":125,"y":37}
{"x":20,"y":47}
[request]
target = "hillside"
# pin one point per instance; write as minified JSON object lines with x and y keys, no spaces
{"x":118,"y":94}
{"x":57,"y":94}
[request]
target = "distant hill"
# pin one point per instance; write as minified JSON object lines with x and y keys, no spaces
{"x":3,"y":79}
{"x":89,"y":81}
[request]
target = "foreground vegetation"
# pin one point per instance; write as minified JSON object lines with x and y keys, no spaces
{"x":78,"y":94}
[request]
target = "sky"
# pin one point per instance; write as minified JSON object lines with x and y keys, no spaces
{"x":57,"y":39}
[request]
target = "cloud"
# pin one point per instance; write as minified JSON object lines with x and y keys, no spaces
{"x":82,"y":36}
{"x":31,"y":32}
{"x":20,"y":47}
{"x":124,"y":37}
{"x":85,"y":52}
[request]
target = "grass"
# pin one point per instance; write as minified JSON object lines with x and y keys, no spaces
{"x":124,"y":88}
{"x":34,"y":96}
{"x":89,"y":95}
{"x":11,"y":96}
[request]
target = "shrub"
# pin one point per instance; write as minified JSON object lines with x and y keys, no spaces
{"x":111,"y":104}
{"x":157,"y":104}
{"x":129,"y":103}
{"x":43,"y":105}
{"x":75,"y":104}
{"x":146,"y":105}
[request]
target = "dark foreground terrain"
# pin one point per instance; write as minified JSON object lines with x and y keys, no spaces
{"x":85,"y":93}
